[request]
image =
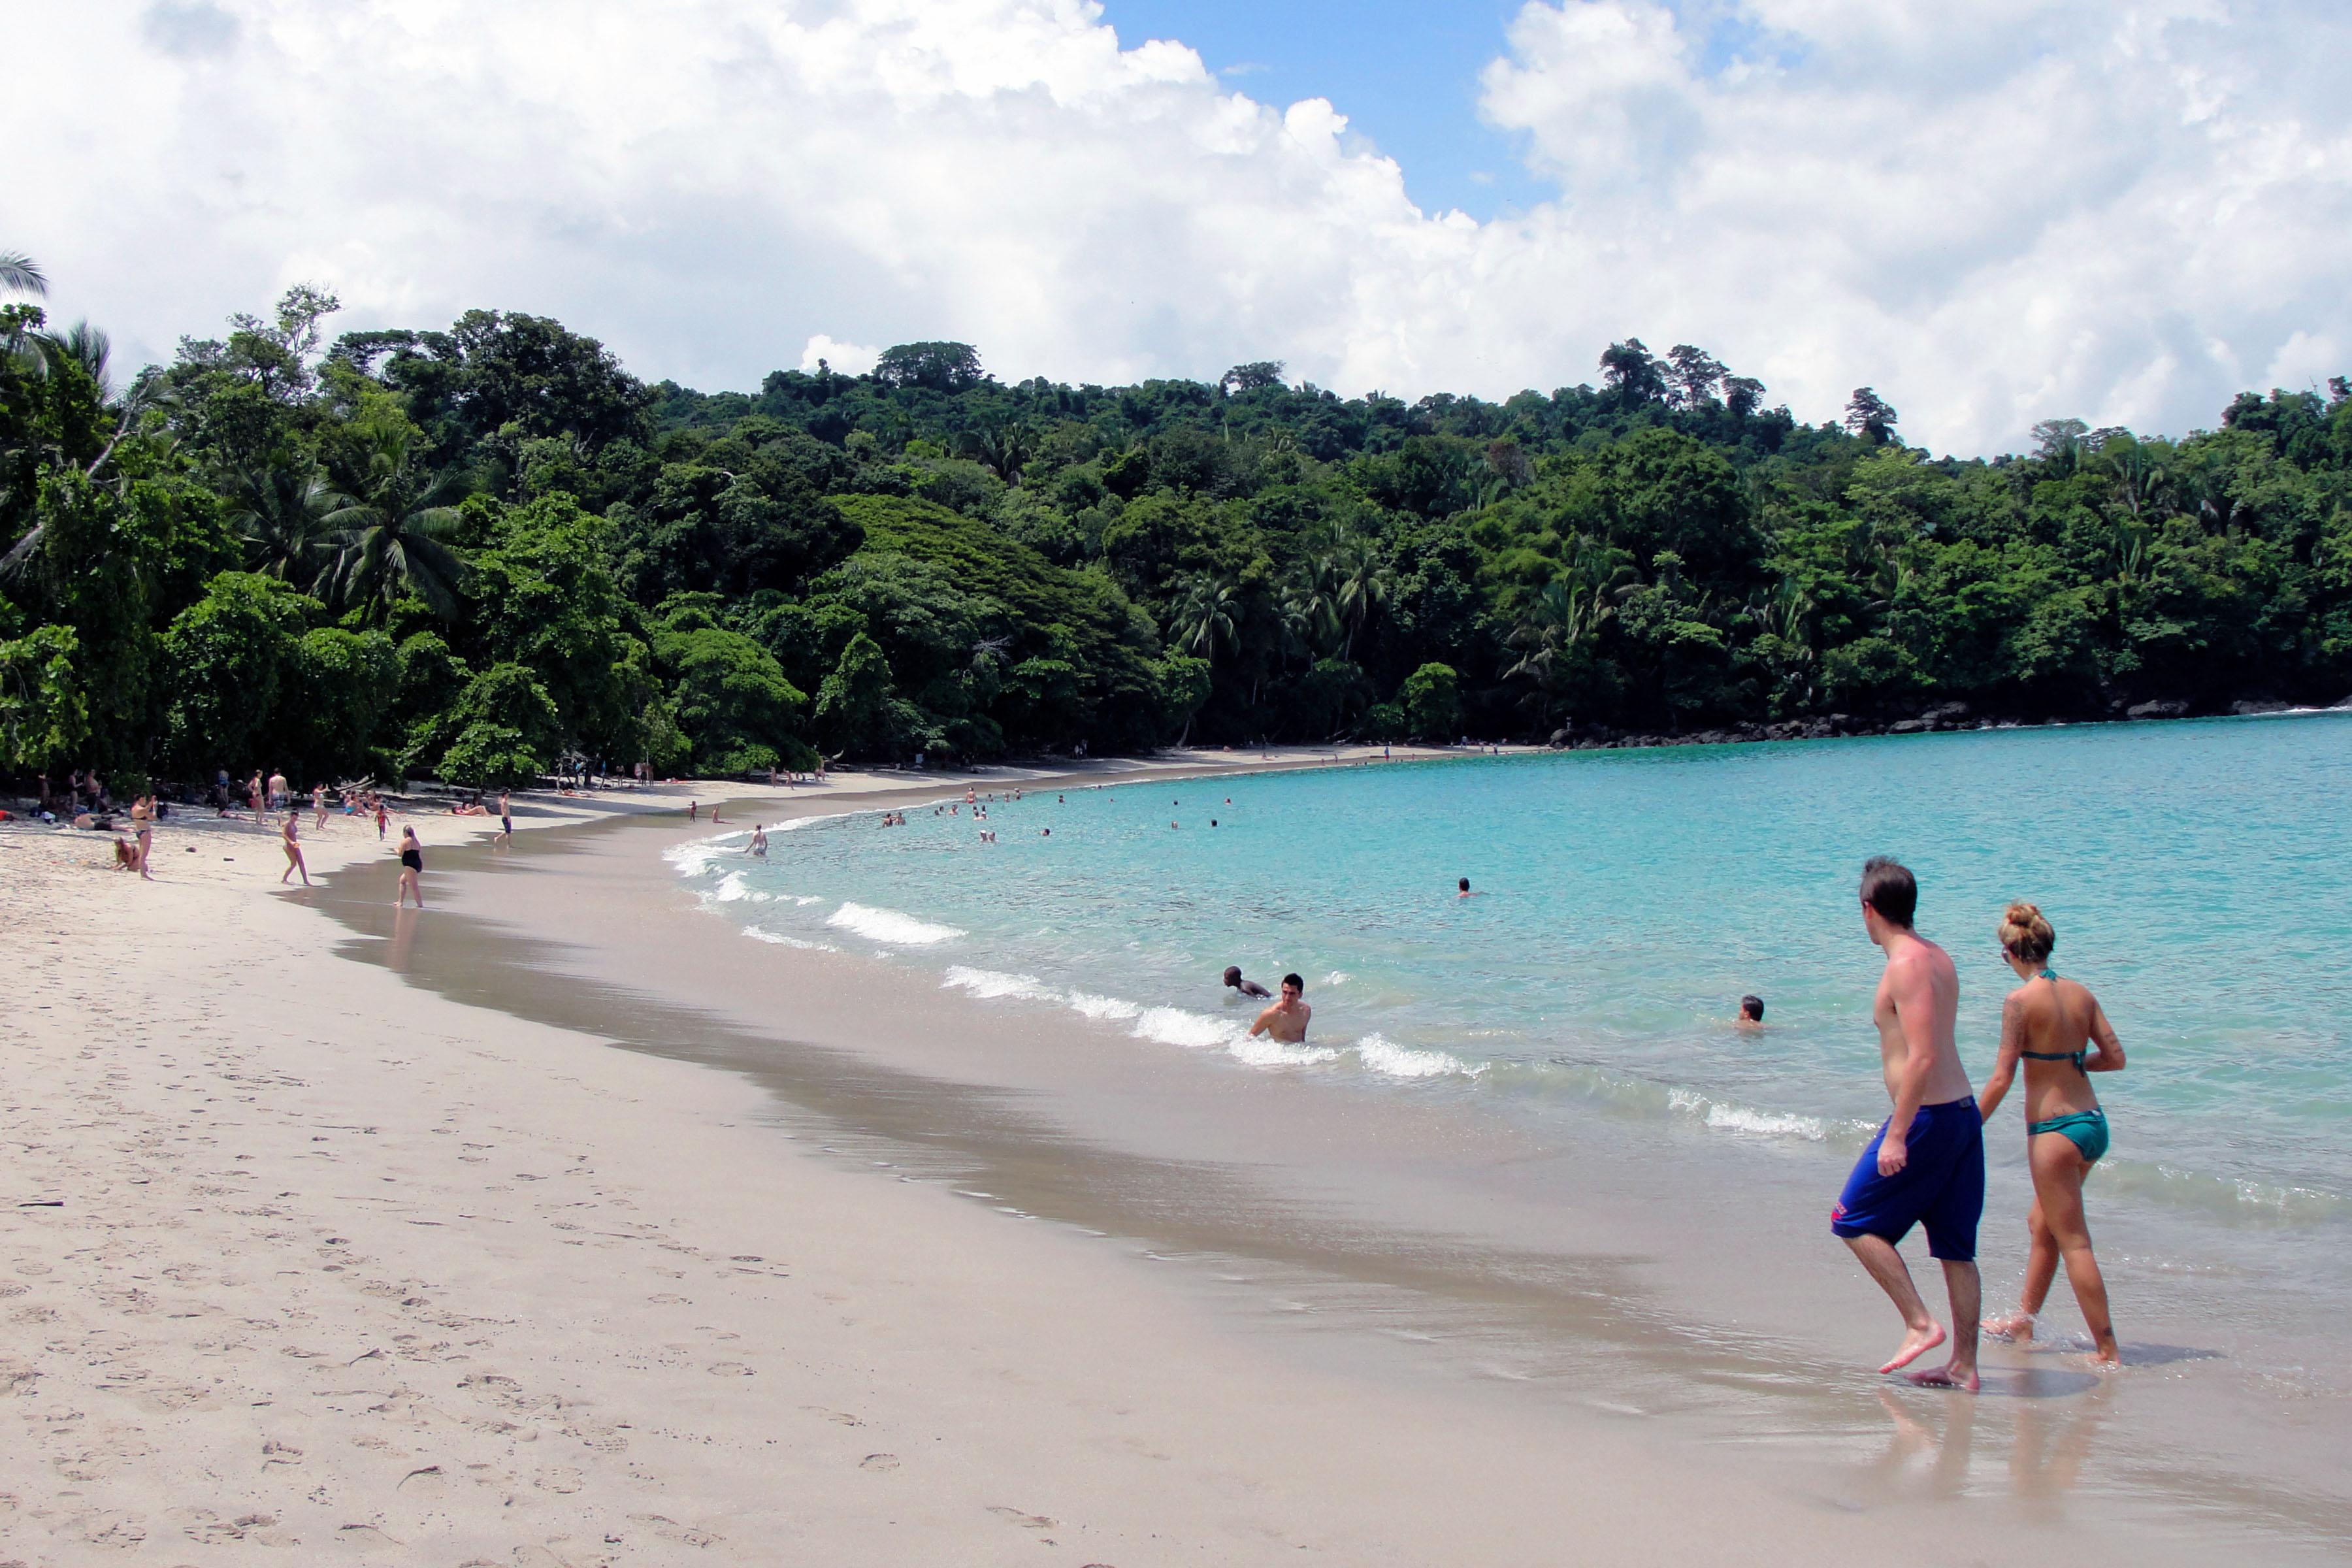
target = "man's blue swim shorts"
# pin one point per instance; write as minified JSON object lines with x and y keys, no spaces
{"x":1941,"y":1185}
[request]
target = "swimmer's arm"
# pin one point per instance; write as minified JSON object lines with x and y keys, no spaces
{"x":2004,"y":1066}
{"x":1264,"y":1022}
{"x":2110,"y":1055}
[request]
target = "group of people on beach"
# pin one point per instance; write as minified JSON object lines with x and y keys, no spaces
{"x":1925,"y":1166}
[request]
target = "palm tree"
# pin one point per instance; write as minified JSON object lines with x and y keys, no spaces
{"x":1002,"y":449}
{"x":85,"y":346}
{"x":1361,"y":584}
{"x":1208,"y":617}
{"x":20,"y":275}
{"x":390,"y":536}
{"x":284,"y":517}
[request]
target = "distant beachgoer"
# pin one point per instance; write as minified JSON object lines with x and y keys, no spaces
{"x":1462,"y":889}
{"x":280,"y":797}
{"x":505,"y":834}
{"x":290,"y":837}
{"x":412,"y":869}
{"x":126,"y":854}
{"x":1246,"y":988}
{"x":1925,"y":1165}
{"x":1045,"y":833}
{"x":1286,"y":1020}
{"x":381,"y":817}
{"x":1061,"y":800}
{"x":142,"y":829}
{"x":759,"y":845}
{"x":693,"y":810}
{"x":2061,"y":1029}
{"x":319,"y":806}
{"x":254,"y":797}
{"x":1751,"y":1014}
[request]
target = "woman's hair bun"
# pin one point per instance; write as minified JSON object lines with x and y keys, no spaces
{"x":2026,"y":932}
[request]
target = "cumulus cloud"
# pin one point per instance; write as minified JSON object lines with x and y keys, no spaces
{"x":2120,"y":209}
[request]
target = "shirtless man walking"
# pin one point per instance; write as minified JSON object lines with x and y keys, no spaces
{"x":1286,"y":1019}
{"x":1927,"y":1164}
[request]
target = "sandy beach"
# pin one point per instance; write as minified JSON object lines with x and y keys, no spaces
{"x":305,"y":1256}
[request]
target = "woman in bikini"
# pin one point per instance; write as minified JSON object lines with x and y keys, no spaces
{"x":142,"y":826}
{"x":2057,"y":1028}
{"x":290,"y":837}
{"x":412,"y":865}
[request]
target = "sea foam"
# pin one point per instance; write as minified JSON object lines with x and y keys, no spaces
{"x":890,"y":926}
{"x":990,"y":982}
{"x":1380,"y":1054}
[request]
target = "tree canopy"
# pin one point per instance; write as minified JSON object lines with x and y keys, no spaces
{"x":469,"y":552}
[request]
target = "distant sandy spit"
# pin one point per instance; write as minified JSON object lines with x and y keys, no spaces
{"x":299,"y":1262}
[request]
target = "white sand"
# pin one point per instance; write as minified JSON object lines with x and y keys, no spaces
{"x":339,"y":1267}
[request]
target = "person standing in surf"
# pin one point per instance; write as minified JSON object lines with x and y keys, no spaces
{"x":1925,"y":1166}
{"x":2058,"y":1028}
{"x":1286,"y":1020}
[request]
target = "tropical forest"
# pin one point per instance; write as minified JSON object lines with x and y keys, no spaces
{"x":485,"y":552}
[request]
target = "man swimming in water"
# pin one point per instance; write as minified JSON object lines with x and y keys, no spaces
{"x":1246,"y":988}
{"x":1927,"y":1164}
{"x":1286,"y":1020}
{"x":1751,"y":1014}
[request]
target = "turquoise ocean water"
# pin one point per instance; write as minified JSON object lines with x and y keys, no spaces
{"x":2199,"y":875}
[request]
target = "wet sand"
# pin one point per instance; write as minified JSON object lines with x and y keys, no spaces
{"x":401,"y":1255}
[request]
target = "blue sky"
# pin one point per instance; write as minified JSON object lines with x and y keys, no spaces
{"x":1405,"y":73}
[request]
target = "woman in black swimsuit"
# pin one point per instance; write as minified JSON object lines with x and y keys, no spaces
{"x":412,"y":865}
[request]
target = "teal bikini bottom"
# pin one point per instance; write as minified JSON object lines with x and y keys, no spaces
{"x":2086,"y":1129}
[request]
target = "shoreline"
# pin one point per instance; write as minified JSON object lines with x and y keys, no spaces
{"x":1259,"y":1440}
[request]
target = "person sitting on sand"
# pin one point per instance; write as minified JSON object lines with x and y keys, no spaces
{"x":2059,"y":1030}
{"x":126,"y":854}
{"x":1925,"y":1165}
{"x":1246,"y":988}
{"x":1286,"y":1020}
{"x":1751,"y":1014}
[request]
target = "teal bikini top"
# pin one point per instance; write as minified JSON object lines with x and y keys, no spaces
{"x":2075,"y":1057}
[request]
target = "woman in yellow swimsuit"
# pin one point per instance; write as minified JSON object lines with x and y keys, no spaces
{"x":2058,"y":1030}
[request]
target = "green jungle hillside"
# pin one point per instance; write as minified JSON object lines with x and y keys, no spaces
{"x":473,"y":552}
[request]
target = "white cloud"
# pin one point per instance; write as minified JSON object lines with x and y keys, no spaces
{"x":849,"y":358}
{"x":2120,"y":209}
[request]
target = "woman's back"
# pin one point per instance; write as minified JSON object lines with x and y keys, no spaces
{"x":2055,"y":1018}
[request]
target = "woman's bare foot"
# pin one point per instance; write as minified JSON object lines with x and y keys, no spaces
{"x":1946,"y":1376}
{"x":1916,"y":1344}
{"x":2017,"y":1328}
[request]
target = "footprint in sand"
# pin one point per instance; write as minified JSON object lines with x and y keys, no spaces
{"x":1025,"y":1520}
{"x":879,"y":1462}
{"x":728,"y":1368}
{"x":670,"y":1530}
{"x":559,"y":1479}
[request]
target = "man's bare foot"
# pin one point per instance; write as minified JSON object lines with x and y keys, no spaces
{"x":1916,"y":1344}
{"x":1945,"y":1377}
{"x":2017,"y":1328}
{"x":1948,"y":1376}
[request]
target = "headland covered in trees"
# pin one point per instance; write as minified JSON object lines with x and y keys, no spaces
{"x":472,"y":553}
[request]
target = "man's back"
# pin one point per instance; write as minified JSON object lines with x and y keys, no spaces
{"x":1918,"y":1000}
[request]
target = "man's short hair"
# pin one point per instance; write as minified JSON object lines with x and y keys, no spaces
{"x":1888,"y":887}
{"x":1752,"y":1008}
{"x":1233,"y":970}
{"x":1294,"y":980}
{"x":1464,"y":884}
